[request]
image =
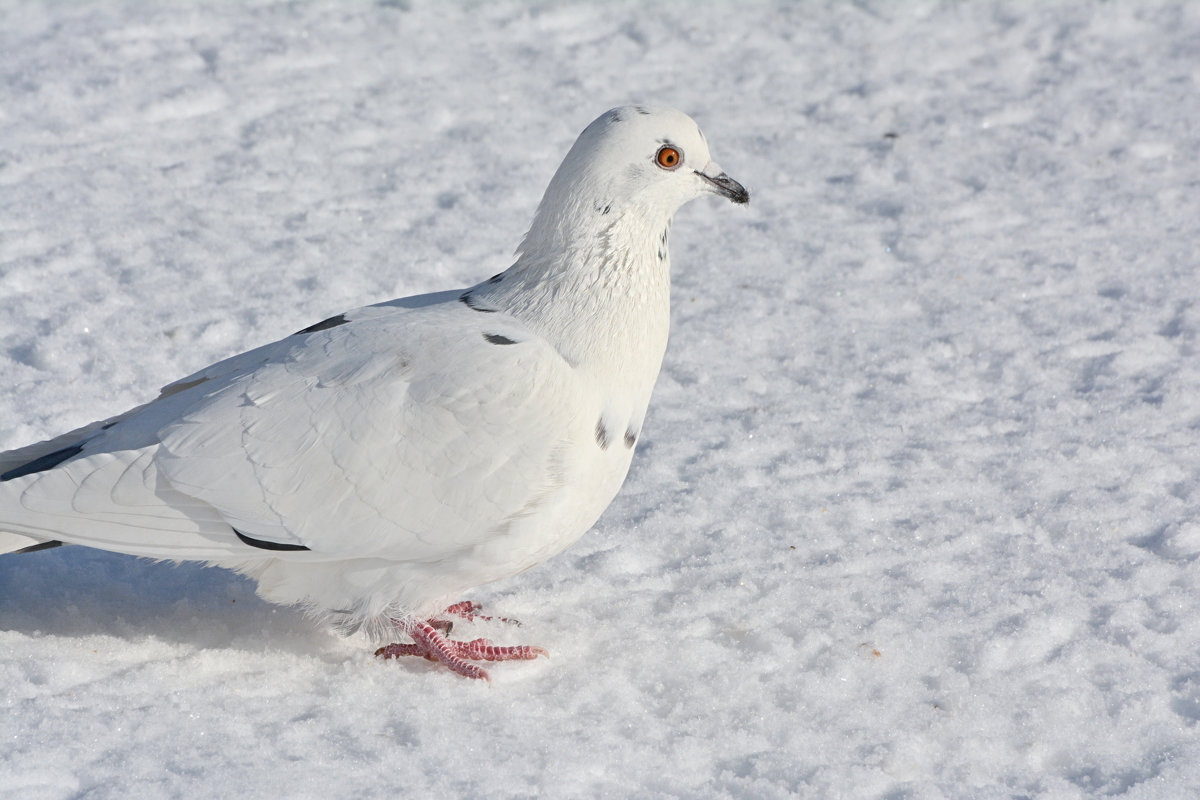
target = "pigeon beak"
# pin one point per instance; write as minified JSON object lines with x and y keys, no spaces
{"x":722,"y":184}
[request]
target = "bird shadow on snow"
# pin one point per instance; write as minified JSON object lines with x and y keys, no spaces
{"x":78,"y":591}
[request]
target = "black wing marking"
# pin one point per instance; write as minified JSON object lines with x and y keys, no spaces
{"x":33,"y":548}
{"x":265,"y":545}
{"x":324,"y":325}
{"x":43,"y":463}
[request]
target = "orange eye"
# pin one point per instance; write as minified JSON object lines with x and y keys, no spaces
{"x":668,"y":157}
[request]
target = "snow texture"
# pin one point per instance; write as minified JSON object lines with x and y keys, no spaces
{"x":916,"y":510}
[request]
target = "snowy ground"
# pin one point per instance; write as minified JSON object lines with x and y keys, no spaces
{"x":917,"y":508}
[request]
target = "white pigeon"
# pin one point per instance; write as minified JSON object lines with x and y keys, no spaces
{"x":375,"y":465}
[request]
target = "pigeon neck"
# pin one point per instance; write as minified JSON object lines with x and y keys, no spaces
{"x":602,"y":300}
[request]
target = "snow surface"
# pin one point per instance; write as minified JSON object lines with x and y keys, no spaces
{"x":917,"y":509}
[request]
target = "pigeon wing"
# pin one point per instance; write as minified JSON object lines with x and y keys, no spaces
{"x":405,"y":436}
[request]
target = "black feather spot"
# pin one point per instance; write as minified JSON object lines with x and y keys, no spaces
{"x":324,"y":325}
{"x":641,"y":110}
{"x":43,"y":463}
{"x":499,"y":276}
{"x":470,"y":303}
{"x":33,"y":548}
{"x":630,"y":438}
{"x":496,"y":338}
{"x":601,"y":434}
{"x":265,"y":545}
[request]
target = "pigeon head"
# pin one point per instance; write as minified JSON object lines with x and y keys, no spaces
{"x":632,"y":159}
{"x":649,"y":156}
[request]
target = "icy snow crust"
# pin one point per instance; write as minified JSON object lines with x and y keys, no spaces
{"x":915,"y":513}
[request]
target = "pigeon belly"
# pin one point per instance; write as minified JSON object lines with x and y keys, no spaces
{"x":582,"y":477}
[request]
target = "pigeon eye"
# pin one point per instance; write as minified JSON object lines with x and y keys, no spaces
{"x":668,"y":157}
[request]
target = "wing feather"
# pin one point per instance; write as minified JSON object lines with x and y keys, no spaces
{"x":403,"y":434}
{"x":413,"y":450}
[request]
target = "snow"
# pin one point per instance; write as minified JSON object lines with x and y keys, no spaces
{"x":916,"y":511}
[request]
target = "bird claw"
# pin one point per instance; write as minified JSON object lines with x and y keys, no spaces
{"x":429,"y":642}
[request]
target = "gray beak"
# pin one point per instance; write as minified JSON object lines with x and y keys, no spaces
{"x":725,"y":186}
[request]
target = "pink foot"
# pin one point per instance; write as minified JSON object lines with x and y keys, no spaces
{"x":429,"y":642}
